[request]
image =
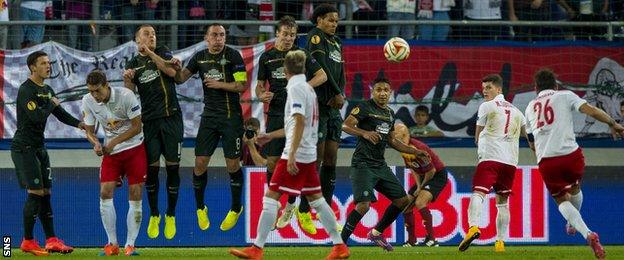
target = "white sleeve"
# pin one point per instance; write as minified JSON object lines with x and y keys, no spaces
{"x":484,"y":109}
{"x":575,"y":101}
{"x":297,"y":100}
{"x":132,"y":106}
{"x":88,"y":119}
{"x":528,"y":113}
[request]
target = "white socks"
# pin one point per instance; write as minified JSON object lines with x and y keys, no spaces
{"x":133,"y":220}
{"x":474,"y":209}
{"x":577,"y":200}
{"x":328,"y":219}
{"x":267,"y":218}
{"x":572,"y":215}
{"x":502,"y":221}
{"x":109,"y":219}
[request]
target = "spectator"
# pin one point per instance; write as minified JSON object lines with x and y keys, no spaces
{"x":32,"y":11}
{"x":621,"y":119}
{"x":401,"y":10}
{"x":530,"y":10}
{"x":194,"y":10}
{"x":482,"y":10}
{"x":586,"y":11}
{"x":437,"y":10}
{"x":136,"y":10}
{"x":4,"y":30}
{"x":423,"y":128}
{"x":78,"y":36}
{"x":251,"y":155}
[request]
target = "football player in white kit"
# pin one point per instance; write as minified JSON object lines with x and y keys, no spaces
{"x":118,"y":111}
{"x":499,"y":126}
{"x":560,"y":159}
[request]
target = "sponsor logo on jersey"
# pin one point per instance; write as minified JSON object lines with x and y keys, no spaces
{"x":335,"y":56}
{"x":214,"y":75}
{"x":278,"y":73}
{"x":148,"y":75}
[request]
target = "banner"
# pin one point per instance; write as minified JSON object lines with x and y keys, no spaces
{"x":534,"y":217}
{"x":444,"y":78}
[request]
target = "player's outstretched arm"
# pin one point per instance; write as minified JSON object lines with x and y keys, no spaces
{"x":616,"y":129}
{"x":182,"y":75}
{"x":398,"y":145}
{"x":478,"y":131}
{"x":349,"y":126}
{"x":319,"y":78}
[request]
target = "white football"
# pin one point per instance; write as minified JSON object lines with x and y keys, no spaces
{"x":396,"y":49}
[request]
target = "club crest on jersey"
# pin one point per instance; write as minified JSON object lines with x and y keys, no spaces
{"x":315,"y":39}
{"x":355,"y":111}
{"x":31,"y":105}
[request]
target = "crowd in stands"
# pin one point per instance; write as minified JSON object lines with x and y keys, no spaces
{"x":82,"y":36}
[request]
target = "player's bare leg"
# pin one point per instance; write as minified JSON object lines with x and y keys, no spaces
{"x":502,"y":221}
{"x":236,"y":188}
{"x":200,"y":180}
{"x":474,"y":214}
{"x":573,"y":216}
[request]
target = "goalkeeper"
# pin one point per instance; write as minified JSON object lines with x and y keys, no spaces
{"x":430,"y":181}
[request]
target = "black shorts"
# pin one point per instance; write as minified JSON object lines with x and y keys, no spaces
{"x":276,"y":146}
{"x":364,"y":179}
{"x":212,"y":129}
{"x":330,"y":124}
{"x":164,"y":136}
{"x":32,"y":166}
{"x":435,"y":185}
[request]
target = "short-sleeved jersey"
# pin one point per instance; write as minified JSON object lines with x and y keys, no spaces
{"x":156,"y":90}
{"x":271,"y":69}
{"x":327,"y":50}
{"x":34,"y":105}
{"x":502,"y":123}
{"x":372,"y":117}
{"x":226,"y":66}
{"x":114,"y":116}
{"x":301,"y":100}
{"x":549,"y":119}
{"x":435,"y":159}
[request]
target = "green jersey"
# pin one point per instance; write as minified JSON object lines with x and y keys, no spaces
{"x":272,"y":70}
{"x":327,"y":50}
{"x":226,"y":66}
{"x":371,"y":117}
{"x":156,"y":90}
{"x":34,"y":105}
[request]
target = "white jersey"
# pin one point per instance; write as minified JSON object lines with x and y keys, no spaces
{"x":482,"y":9}
{"x":502,"y":123}
{"x":549,"y":119}
{"x":301,"y":100}
{"x":114,"y":116}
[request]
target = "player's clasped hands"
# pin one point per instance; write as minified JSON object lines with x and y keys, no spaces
{"x":617,"y":131}
{"x":266,"y":97}
{"x":98,"y":149}
{"x":175,"y":63}
{"x":128,"y":75}
{"x":211,"y":83}
{"x":372,"y":137}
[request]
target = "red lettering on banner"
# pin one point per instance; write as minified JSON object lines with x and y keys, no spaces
{"x":539,"y":207}
{"x":516,"y":206}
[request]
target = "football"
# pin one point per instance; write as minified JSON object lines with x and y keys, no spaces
{"x":396,"y":50}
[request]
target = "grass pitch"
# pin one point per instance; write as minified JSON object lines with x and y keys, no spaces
{"x":419,"y":252}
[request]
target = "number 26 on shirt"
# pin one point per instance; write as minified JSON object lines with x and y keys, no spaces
{"x":546,"y":110}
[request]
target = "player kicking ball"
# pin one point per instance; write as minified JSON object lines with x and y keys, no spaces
{"x":119,"y":113}
{"x":560,"y":159}
{"x":295,"y":173}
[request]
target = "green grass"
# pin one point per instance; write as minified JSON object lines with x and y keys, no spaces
{"x":305,"y":253}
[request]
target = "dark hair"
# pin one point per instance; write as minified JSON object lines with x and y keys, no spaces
{"x":381,"y":80}
{"x":136,"y":33}
{"x":213,"y":24}
{"x":622,"y":103}
{"x":295,"y":61}
{"x":96,"y":78}
{"x":422,"y":108}
{"x":322,"y":10}
{"x":545,"y":78}
{"x":252,"y":121}
{"x":287,"y":21}
{"x":32,"y":58}
{"x":495,"y":79}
